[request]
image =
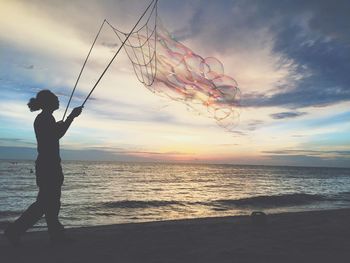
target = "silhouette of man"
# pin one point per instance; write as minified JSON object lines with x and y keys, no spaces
{"x":49,"y":176}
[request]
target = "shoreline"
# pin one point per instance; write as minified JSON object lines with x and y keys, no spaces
{"x":312,"y":236}
{"x":237,"y":218}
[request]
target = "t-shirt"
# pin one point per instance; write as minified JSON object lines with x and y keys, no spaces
{"x":46,"y":131}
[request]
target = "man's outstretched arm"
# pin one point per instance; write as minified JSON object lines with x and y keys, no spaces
{"x":62,"y":127}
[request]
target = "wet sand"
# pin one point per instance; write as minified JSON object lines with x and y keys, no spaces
{"x":320,"y":236}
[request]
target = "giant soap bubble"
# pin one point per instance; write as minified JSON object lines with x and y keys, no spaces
{"x":169,"y":68}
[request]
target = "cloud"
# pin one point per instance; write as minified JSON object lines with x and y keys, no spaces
{"x":315,"y":153}
{"x":310,"y":35}
{"x":109,"y":45}
{"x":126,"y":151}
{"x":302,"y":157}
{"x":93,"y":153}
{"x":311,"y":40}
{"x":10,"y":139}
{"x":287,"y":56}
{"x":254,"y":124}
{"x":286,"y":115}
{"x":15,"y":142}
{"x":307,"y":161}
{"x":27,"y":66}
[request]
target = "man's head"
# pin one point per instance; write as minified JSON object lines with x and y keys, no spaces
{"x":45,"y":100}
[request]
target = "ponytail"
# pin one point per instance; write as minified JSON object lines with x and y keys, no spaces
{"x":34,"y":104}
{"x":44,"y":99}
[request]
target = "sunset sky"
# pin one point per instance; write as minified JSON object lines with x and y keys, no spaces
{"x":291,"y":60}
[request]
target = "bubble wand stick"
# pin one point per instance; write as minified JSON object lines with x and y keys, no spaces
{"x":126,"y":39}
{"x":81,"y":71}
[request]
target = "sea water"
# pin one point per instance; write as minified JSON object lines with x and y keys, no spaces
{"x":99,"y":193}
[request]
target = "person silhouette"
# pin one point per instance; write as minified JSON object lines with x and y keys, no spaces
{"x":48,"y":170}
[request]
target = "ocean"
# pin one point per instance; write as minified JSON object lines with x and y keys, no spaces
{"x":100,"y":193}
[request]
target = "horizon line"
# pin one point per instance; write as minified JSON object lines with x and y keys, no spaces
{"x":179,"y":162}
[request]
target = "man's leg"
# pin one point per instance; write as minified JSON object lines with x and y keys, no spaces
{"x":32,"y":215}
{"x":51,"y":205}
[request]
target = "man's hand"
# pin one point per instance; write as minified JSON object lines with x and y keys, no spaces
{"x":76,"y":112}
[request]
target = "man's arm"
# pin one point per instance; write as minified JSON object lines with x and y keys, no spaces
{"x":62,"y":127}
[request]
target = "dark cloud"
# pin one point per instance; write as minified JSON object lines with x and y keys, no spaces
{"x":239,"y":133}
{"x":315,"y":36}
{"x":109,"y":45}
{"x":286,"y":115}
{"x":324,"y":68}
{"x":299,"y":157}
{"x":342,"y":153}
{"x":120,"y":150}
{"x":307,"y":161}
{"x":312,"y":35}
{"x":10,"y":139}
{"x":220,"y":27}
{"x":254,"y":124}
{"x":16,"y":141}
{"x":94,"y":153}
{"x":28,"y":66}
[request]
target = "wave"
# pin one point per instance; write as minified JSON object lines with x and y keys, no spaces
{"x":139,"y":203}
{"x":342,"y":196}
{"x":8,"y":213}
{"x":272,"y":200}
{"x":263,"y":201}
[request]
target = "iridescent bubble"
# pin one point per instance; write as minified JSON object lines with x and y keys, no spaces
{"x":212,"y":68}
{"x":171,"y":69}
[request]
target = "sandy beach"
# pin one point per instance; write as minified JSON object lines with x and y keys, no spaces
{"x":319,"y":236}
